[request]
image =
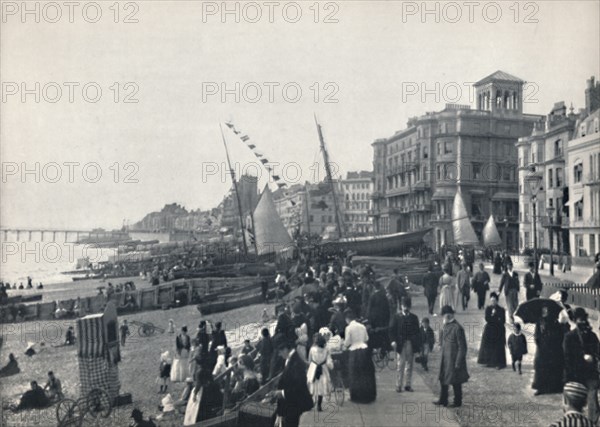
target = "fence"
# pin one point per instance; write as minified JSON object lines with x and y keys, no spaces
{"x":579,"y":294}
{"x":152,"y":298}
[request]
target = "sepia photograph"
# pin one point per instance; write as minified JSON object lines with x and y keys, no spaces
{"x":310,"y":213}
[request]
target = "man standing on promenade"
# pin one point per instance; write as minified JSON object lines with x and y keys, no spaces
{"x":510,"y":283}
{"x":453,"y":366}
{"x":293,"y":397}
{"x":481,"y":284}
{"x":406,"y":339}
{"x":533,"y":283}
{"x":463,"y":278}
{"x":430,"y":289}
{"x":582,"y":353}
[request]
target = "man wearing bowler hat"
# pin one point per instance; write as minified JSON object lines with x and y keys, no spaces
{"x":453,"y":366}
{"x":293,"y":397}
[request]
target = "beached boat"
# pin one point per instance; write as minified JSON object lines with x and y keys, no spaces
{"x":387,"y":244}
{"x":20,"y":299}
{"x":230,"y":303}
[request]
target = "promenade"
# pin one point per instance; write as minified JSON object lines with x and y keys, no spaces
{"x":491,"y":397}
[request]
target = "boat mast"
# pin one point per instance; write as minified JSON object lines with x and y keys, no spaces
{"x":329,"y":177}
{"x":237,"y":194}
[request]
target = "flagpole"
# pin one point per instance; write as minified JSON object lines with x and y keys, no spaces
{"x":237,"y":194}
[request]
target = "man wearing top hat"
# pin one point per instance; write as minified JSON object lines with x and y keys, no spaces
{"x":293,"y":397}
{"x":453,"y":366}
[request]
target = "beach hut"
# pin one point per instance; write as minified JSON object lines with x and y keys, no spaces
{"x":98,"y":352}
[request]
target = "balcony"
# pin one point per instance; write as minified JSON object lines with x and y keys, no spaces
{"x":592,"y":179}
{"x":507,"y":218}
{"x":436,"y":217}
{"x":423,"y":207}
{"x":376,"y":195}
{"x":582,"y":223}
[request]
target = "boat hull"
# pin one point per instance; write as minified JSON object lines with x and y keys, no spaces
{"x":390,"y":244}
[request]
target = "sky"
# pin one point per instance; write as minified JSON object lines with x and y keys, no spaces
{"x":96,"y":160}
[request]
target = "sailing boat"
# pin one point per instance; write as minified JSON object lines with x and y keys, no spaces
{"x":388,"y":244}
{"x":491,"y":237}
{"x":270,"y":235}
{"x":464,"y":234}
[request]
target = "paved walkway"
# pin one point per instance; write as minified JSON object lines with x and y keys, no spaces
{"x":390,"y":408}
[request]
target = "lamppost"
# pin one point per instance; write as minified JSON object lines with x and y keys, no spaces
{"x":550,"y":211}
{"x":534,"y":180}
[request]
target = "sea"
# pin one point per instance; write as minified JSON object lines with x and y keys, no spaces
{"x":42,"y":259}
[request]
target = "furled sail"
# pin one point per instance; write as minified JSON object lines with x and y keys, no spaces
{"x":270,"y":233}
{"x":463,"y":231}
{"x":491,"y":237}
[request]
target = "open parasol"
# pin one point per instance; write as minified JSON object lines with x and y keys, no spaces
{"x":531,"y":311}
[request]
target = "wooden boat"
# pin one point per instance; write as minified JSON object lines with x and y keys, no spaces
{"x":232,"y":302}
{"x":387,"y":244}
{"x":252,"y":412}
{"x":19,"y":299}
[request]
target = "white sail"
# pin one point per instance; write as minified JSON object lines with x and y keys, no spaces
{"x":491,"y":237}
{"x":463,"y":231}
{"x":270,"y":233}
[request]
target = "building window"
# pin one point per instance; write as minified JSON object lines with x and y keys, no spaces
{"x":579,"y":210}
{"x":550,"y":178}
{"x":476,"y":171}
{"x":438,"y":169}
{"x":578,"y":172}
{"x":596,"y":130}
{"x":425,"y":152}
{"x":550,"y":203}
{"x":579,"y":245}
{"x":448,"y":146}
{"x":582,"y":130}
{"x":439,"y":148}
{"x":311,"y":218}
{"x":558,"y":148}
{"x":559,"y":177}
{"x":593,"y":242}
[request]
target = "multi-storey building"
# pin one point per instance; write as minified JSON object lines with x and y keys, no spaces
{"x":356,"y":192}
{"x":418,"y":170}
{"x":315,"y":214}
{"x":583,"y":177}
{"x":543,"y":152}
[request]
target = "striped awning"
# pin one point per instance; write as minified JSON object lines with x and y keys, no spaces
{"x":443,"y":193}
{"x":505,"y":195}
{"x":90,"y":336}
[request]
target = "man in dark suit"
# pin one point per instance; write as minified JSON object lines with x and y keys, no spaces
{"x":533,"y":283}
{"x":378,"y":313}
{"x":293,"y":397}
{"x":430,"y":288}
{"x":406,"y":338}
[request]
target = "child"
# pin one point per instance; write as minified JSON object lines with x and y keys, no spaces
{"x":517,"y":344}
{"x":164,"y":371}
{"x":248,"y":348}
{"x":171,"y":326}
{"x":428,"y":340}
{"x":124,"y":332}
{"x":320,"y":363}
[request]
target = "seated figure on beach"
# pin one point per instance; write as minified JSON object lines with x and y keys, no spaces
{"x":54,"y":387}
{"x":11,"y":368}
{"x":34,"y":398}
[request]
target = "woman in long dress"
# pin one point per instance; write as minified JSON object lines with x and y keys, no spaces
{"x":447,"y":284}
{"x":318,"y":377}
{"x":492,"y":351}
{"x":361,"y":371}
{"x":180,"y":367}
{"x":549,"y":357}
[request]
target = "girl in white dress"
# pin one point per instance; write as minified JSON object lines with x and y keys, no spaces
{"x":318,"y":378}
{"x":180,"y":367}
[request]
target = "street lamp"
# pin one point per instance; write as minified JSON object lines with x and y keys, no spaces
{"x":550,"y":210}
{"x":534,"y":180}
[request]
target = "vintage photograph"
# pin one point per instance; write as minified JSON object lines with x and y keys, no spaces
{"x":300,"y":213}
